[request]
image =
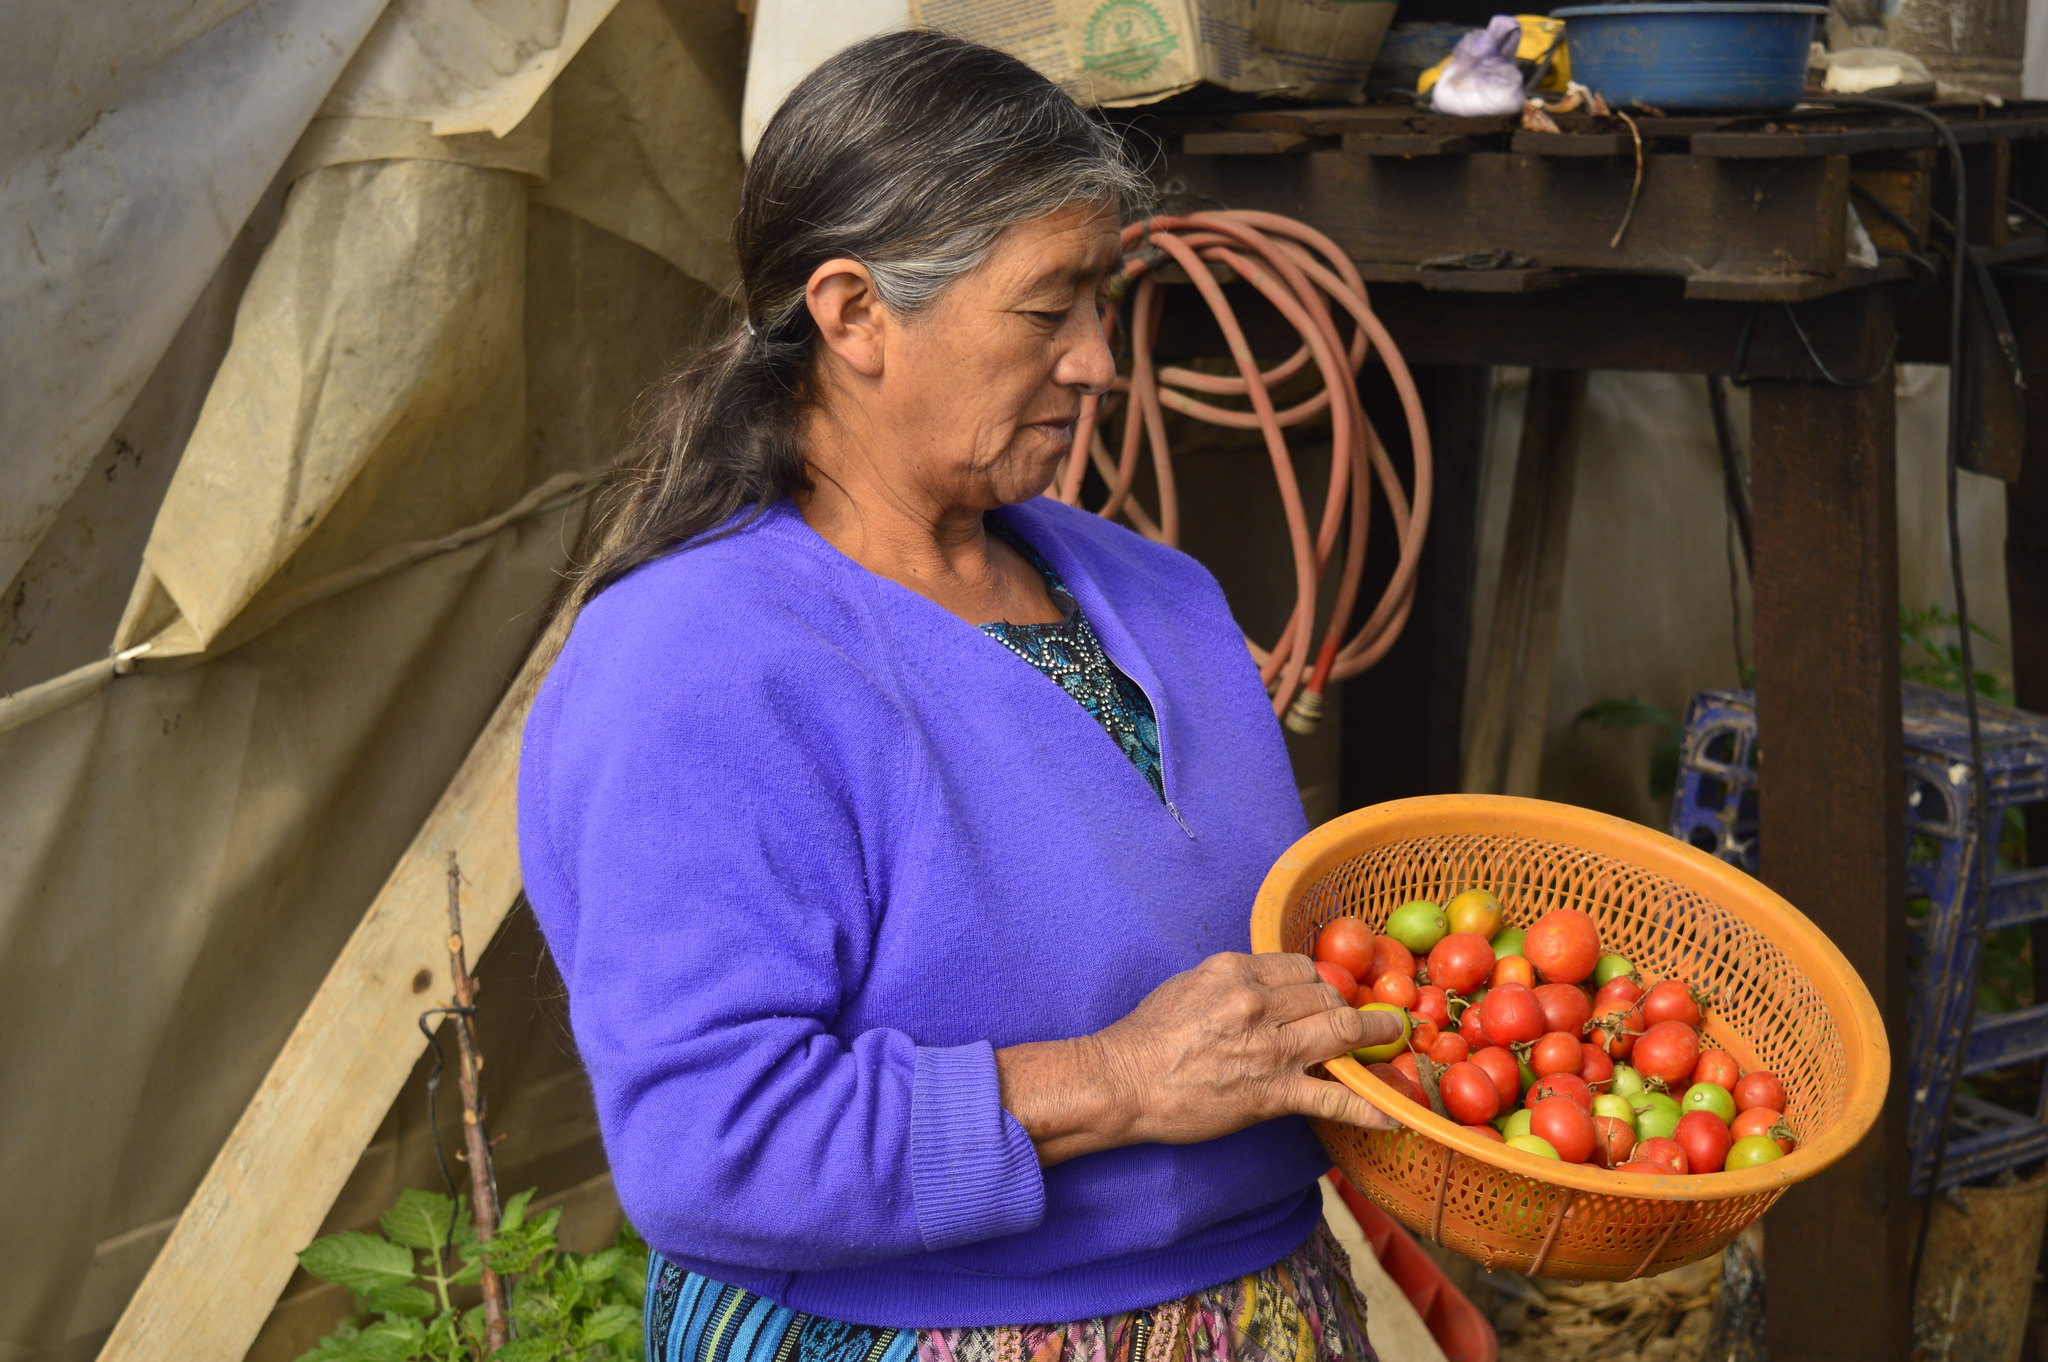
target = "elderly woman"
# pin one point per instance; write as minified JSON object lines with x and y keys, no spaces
{"x":893,"y":826}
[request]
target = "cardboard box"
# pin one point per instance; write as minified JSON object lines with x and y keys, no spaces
{"x":1114,"y":52}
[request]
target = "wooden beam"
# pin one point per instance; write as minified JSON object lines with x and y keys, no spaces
{"x":271,"y":1185}
{"x":1823,"y":483}
{"x":1694,"y":214}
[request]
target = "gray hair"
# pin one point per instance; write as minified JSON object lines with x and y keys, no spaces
{"x":911,"y":153}
{"x":855,"y":164}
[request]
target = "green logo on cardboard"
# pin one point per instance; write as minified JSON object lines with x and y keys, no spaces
{"x":1126,"y":40}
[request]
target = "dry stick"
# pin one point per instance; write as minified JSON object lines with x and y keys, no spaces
{"x":482,"y":1179}
{"x":1635,"y":190}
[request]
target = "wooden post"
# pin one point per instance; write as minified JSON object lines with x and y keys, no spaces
{"x":1506,"y":745}
{"x":1403,"y":721}
{"x":1832,"y":816}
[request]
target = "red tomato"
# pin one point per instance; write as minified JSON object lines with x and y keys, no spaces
{"x":1705,"y":1139}
{"x":1472,"y":1029}
{"x":1642,"y":1166}
{"x":1511,"y":969}
{"x":1510,"y":1015}
{"x":1405,"y":1062}
{"x":1461,"y":961}
{"x":1432,"y":1005}
{"x":1760,"y":1088}
{"x":1500,"y":1066}
{"x":1594,"y":1066}
{"x":1389,"y":956}
{"x":1489,"y":1132}
{"x":1398,"y":989}
{"x":1567,"y":1126}
{"x":1668,"y":1051}
{"x":1469,"y":1096}
{"x":1399,"y":1082}
{"x":1762,"y":1121}
{"x":1424,"y":1035}
{"x":1717,"y":1066}
{"x":1347,"y":942}
{"x":1556,"y":1053}
{"x":1564,"y":945}
{"x":1613,"y":1140}
{"x":1617,"y":992}
{"x":1450,"y":1048}
{"x":1666,"y":1153}
{"x":1564,"y":1008}
{"x":1560,"y":1085}
{"x":1670,"y":1001}
{"x":1339,"y":978}
{"x":1615,"y":1031}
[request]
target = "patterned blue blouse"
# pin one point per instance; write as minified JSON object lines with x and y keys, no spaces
{"x":1070,"y":654}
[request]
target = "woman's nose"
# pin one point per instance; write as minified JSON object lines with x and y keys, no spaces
{"x":1088,"y":363}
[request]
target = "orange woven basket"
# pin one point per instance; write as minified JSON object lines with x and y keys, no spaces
{"x":1784,"y":999}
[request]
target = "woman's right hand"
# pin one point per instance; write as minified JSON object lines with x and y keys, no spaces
{"x":1210,"y":1051}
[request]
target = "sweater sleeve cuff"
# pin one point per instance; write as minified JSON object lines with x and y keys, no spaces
{"x":973,"y":1172}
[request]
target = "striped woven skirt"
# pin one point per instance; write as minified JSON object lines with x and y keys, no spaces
{"x":1304,"y":1308}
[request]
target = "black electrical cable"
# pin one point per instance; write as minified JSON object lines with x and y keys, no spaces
{"x":1960,"y":272}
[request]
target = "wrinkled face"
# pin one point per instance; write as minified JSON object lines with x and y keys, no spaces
{"x":980,"y":393}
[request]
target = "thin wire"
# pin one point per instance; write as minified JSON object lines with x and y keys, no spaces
{"x":1959,"y":275}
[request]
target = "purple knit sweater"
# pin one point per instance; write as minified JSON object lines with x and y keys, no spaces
{"x":808,"y":848}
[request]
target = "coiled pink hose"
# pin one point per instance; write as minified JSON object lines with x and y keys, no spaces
{"x":1309,"y":280}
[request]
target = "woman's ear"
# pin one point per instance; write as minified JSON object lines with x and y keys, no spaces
{"x":850,"y":318}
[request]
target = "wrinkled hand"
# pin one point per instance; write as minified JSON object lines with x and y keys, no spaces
{"x":1223,"y":1046}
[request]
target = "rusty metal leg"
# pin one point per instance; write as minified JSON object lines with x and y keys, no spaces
{"x":1832,"y":817}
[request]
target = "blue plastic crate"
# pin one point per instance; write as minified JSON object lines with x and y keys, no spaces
{"x":1715,"y":808}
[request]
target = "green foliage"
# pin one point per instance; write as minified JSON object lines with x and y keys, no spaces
{"x":1926,"y":655}
{"x":416,"y":1293}
{"x":1625,"y":715}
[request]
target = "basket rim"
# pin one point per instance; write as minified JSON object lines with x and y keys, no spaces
{"x":1866,"y":1049}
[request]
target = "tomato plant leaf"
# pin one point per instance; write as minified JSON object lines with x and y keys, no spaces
{"x":514,"y":1214}
{"x":419,"y":1220}
{"x":608,"y":1322}
{"x":361,"y":1262}
{"x":401,"y":1298}
{"x":527,"y":1350}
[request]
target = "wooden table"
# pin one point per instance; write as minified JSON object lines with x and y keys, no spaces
{"x":1477,"y":236}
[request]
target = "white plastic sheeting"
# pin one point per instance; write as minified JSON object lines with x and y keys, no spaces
{"x":133,"y":152}
{"x":333,"y":492}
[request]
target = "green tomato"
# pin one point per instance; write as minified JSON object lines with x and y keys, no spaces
{"x":1627,"y":1083}
{"x":1508,"y":943}
{"x":1418,"y":925}
{"x":1751,"y":1150}
{"x":1534,"y":1144}
{"x":1611,"y":967}
{"x":1710,"y":1097}
{"x":1515,"y":1123}
{"x":1380,"y":1054}
{"x":1656,"y":1116}
{"x":1620,"y":1108}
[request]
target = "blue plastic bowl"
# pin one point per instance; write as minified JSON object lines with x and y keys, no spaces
{"x":1714,"y":56}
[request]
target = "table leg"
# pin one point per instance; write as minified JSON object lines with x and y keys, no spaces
{"x":1831,"y":807}
{"x":1403,"y":719}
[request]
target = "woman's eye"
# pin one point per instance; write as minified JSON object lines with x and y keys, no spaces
{"x":1051,"y":318}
